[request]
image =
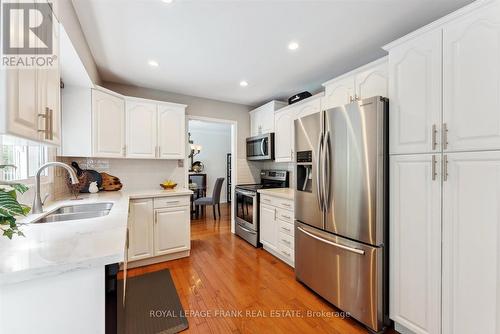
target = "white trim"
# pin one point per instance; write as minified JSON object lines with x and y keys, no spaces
{"x":234,"y":154}
{"x":140,"y":99}
{"x":108,"y":91}
{"x":439,"y":23}
{"x":358,"y":70}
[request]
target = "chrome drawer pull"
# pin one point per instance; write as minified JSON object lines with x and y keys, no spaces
{"x":350,"y":249}
{"x":286,"y":217}
{"x":286,"y":241}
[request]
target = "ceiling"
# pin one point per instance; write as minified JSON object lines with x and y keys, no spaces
{"x":205,"y":48}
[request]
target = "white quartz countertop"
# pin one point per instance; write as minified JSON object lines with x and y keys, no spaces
{"x":287,"y":193}
{"x":54,"y":248}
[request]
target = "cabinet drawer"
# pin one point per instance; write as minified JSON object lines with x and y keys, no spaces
{"x":286,"y":227}
{"x":286,"y":240}
{"x":277,"y":202}
{"x":285,"y":215}
{"x":167,"y":202}
{"x":286,"y":253}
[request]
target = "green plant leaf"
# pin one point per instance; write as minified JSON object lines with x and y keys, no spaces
{"x":9,"y":207}
{"x":20,"y":188}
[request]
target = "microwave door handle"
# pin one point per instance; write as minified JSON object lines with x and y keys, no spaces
{"x":262,"y":146}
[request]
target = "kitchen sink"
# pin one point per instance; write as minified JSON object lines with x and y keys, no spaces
{"x":75,"y":212}
{"x":92,"y":207}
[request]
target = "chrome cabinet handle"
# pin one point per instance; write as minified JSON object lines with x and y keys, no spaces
{"x":46,"y":125}
{"x":434,"y":137}
{"x":159,"y":151}
{"x":286,"y":204}
{"x":286,"y":253}
{"x":124,"y":150}
{"x":286,"y":241}
{"x":445,"y":168}
{"x":286,"y":217}
{"x":445,"y":136}
{"x":434,"y":172}
{"x":286,"y":229}
{"x":347,"y":248}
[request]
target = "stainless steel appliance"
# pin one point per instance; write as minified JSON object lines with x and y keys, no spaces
{"x":247,"y":203}
{"x":261,"y":147}
{"x":341,"y":207}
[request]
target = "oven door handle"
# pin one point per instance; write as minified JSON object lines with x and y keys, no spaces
{"x":246,"y":193}
{"x":246,"y":229}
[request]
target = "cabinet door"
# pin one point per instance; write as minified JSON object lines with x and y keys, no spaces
{"x":171,"y":132}
{"x":471,"y":240}
{"x":373,"y":82}
{"x":171,"y":230}
{"x":307,"y":108}
{"x":140,"y":229}
{"x":108,"y":125}
{"x":471,"y":103}
{"x":141,"y":129}
{"x":415,"y":94}
{"x":415,"y":240}
{"x":338,"y":93}
{"x":283,"y":137}
{"x":49,"y":90}
{"x":268,"y":230}
{"x":267,"y":118}
{"x":255,"y":123}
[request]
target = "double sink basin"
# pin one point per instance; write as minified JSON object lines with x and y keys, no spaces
{"x":76,"y":212}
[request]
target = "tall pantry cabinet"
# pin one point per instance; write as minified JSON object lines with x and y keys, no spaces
{"x":445,"y":174}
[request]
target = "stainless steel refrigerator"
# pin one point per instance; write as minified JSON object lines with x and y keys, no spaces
{"x":341,"y":230}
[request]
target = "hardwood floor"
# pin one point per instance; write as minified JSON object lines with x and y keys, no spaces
{"x":228,"y":286}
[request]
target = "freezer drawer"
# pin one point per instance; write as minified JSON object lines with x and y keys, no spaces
{"x":346,"y":273}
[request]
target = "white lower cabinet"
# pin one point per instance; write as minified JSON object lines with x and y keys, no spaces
{"x":471,"y":243}
{"x":445,"y":237}
{"x":171,"y":231}
{"x":415,"y":242}
{"x":159,"y":231}
{"x":276,"y":227}
{"x":140,"y":229}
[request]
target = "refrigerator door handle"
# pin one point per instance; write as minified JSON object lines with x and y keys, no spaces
{"x":331,"y":243}
{"x":319,"y":181}
{"x":327,"y":171}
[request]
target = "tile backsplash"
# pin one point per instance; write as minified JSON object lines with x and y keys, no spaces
{"x":133,"y":174}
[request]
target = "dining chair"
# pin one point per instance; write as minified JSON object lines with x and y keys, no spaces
{"x":214,"y":200}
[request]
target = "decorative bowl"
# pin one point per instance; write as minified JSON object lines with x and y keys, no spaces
{"x":168,"y":187}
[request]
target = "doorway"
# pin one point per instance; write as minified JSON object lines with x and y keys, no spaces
{"x":212,"y":152}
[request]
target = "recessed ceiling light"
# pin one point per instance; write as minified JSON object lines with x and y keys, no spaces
{"x":293,"y":46}
{"x":243,"y":83}
{"x":167,"y":1}
{"x":153,"y":63}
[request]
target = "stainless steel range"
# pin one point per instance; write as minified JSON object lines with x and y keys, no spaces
{"x":247,"y":203}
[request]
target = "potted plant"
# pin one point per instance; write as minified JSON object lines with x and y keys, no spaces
{"x":10,"y":208}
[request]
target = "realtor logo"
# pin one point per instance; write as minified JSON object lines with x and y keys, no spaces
{"x":27,"y":34}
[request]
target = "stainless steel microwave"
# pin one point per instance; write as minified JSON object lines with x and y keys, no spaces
{"x":261,"y":147}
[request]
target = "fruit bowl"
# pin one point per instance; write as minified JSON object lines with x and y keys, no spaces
{"x":168,"y":186}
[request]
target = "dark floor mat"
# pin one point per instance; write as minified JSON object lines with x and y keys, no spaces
{"x":151,"y":305}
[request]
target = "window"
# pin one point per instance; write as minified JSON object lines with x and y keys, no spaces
{"x":26,"y":156}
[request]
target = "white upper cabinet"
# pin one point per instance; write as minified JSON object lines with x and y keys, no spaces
{"x":471,"y":239}
{"x":141,"y":129}
{"x":339,"y":92}
{"x":471,"y":55}
{"x":108,"y":125}
{"x":366,"y":81}
{"x":284,"y":135}
{"x":373,"y":81}
{"x":262,"y":118}
{"x":31,"y":98}
{"x":171,"y":131}
{"x":415,"y":240}
{"x":415,"y":95}
{"x":307,"y":107}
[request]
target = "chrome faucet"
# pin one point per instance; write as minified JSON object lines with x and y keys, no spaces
{"x":37,"y":202}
